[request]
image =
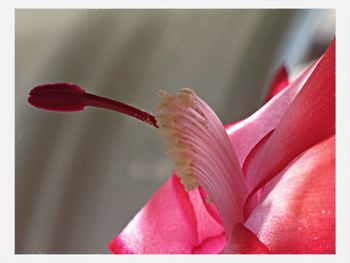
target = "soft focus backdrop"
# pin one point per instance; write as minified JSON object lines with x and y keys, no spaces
{"x":80,"y":177}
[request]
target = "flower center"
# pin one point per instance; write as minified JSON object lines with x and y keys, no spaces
{"x":195,"y":138}
{"x":202,"y":153}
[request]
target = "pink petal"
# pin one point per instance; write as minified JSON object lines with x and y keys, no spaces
{"x":298,"y":215}
{"x":279,"y":83}
{"x":309,"y":120}
{"x":245,"y":134}
{"x":211,"y":208}
{"x":172,"y":222}
{"x":211,"y":235}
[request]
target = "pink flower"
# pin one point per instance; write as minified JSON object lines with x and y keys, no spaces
{"x":263,"y":185}
{"x":282,"y":159}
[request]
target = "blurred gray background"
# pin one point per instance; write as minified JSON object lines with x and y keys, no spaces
{"x":80,"y":177}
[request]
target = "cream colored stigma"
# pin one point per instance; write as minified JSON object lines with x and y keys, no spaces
{"x":173,"y":113}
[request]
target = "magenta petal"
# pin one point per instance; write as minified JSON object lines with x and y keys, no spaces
{"x":211,"y":208}
{"x":211,"y":235}
{"x":172,"y":222}
{"x":298,"y":215}
{"x":309,"y":120}
{"x":245,"y":134}
{"x":279,"y":82}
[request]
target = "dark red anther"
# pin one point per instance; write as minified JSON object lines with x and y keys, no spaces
{"x":69,"y":97}
{"x":64,"y":97}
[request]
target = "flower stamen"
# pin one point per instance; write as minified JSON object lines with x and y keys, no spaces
{"x":202,"y":153}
